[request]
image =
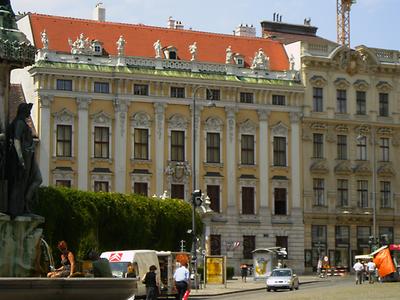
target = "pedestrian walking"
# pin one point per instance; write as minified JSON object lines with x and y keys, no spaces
{"x":319,"y":267}
{"x":182,"y":279}
{"x":359,"y":268}
{"x":150,"y":280}
{"x":371,"y":271}
{"x":243,"y":271}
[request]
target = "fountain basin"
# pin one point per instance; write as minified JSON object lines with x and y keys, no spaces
{"x":67,"y":288}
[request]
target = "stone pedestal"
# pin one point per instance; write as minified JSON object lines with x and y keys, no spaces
{"x":19,"y":245}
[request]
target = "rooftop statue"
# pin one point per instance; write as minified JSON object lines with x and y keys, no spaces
{"x":157,"y":48}
{"x":45,"y":39}
{"x":229,"y":54}
{"x":121,"y":46}
{"x":260,"y":60}
{"x":193,"y":51}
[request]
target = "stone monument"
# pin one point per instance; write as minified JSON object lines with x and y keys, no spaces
{"x":19,"y":235}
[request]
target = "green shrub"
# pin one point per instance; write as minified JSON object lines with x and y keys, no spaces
{"x":230,"y":271}
{"x":111,"y":221}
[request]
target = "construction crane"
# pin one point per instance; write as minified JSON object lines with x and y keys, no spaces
{"x":343,"y":21}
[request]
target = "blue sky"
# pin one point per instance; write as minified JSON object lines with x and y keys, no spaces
{"x":372,"y":21}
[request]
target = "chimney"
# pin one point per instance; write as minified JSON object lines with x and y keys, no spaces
{"x":171,"y":23}
{"x":245,"y":30}
{"x":99,"y":13}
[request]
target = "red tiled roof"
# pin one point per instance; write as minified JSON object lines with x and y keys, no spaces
{"x":140,"y":38}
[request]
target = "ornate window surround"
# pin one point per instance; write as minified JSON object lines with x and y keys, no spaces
{"x":280,"y":130}
{"x":215,"y":180}
{"x":100,"y":176}
{"x":63,"y":174}
{"x":101,"y":119}
{"x":140,"y":120}
{"x":248,"y":182}
{"x":213,"y":125}
{"x":142,"y":178}
{"x":64,"y":117}
{"x":248,"y":127}
{"x":177,"y":122}
{"x":280,"y":183}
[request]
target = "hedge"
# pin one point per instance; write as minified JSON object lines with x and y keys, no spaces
{"x":113,"y":221}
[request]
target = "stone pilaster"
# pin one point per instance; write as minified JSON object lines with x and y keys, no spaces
{"x":83,"y":144}
{"x":45,"y":101}
{"x":264,"y":158}
{"x":159,"y":111}
{"x":231,"y":159}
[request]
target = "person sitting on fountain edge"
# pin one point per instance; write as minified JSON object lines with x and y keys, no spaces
{"x":67,"y":262}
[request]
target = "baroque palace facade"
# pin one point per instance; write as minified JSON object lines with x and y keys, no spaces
{"x":115,"y":113}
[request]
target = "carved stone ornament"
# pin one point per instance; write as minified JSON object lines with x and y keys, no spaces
{"x":361,"y":85}
{"x":178,"y":121}
{"x":343,"y":167}
{"x":318,"y":126}
{"x":319,"y":166}
{"x":45,"y":100}
{"x":141,"y":119}
{"x":263,"y":114}
{"x":342,"y":128}
{"x":280,"y":130}
{"x":351,"y":61}
{"x":341,"y":83}
{"x":64,"y":116}
{"x":362,"y":168}
{"x":363,"y":130}
{"x":101,"y":118}
{"x":260,"y":61}
{"x":384,"y":86}
{"x":385,"y":169}
{"x":214,"y":124}
{"x":178,"y":171}
{"x":317,"y":81}
{"x":385,"y":132}
{"x":82,"y":45}
{"x":248,"y":127}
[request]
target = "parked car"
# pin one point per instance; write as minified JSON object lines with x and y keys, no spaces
{"x":283,"y":278}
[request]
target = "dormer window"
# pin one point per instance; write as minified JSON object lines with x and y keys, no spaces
{"x":239,"y":60}
{"x":97,"y":48}
{"x":171,"y":52}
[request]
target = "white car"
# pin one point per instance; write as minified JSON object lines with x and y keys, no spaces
{"x":283,"y":278}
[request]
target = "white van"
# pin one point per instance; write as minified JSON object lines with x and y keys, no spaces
{"x":141,"y":260}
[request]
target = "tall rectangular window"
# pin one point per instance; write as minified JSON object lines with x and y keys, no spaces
{"x":249,"y":244}
{"x":318,"y":235}
{"x":319,"y":191}
{"x":361,"y":103}
{"x":213,"y":94}
{"x":318,"y":145}
{"x":363,"y":234}
{"x":101,"y":142}
{"x":343,"y":192}
{"x":362,"y":148}
{"x":362,"y":191}
{"x":177,"y":145}
{"x":140,"y":188}
{"x":64,"y":84}
{"x":318,"y":99}
{"x":342,"y":147}
{"x":383,"y":104}
{"x":246,"y":97}
{"x":248,"y":200}
{"x":64,"y":141}
{"x":141,"y":89}
{"x":280,"y":202}
{"x":247,"y":149}
{"x":213,"y":193}
{"x":102,"y":87}
{"x":177,"y":92}
{"x":178,"y":191}
{"x":384,"y":149}
{"x":215,"y":244}
{"x":141,"y":147}
{"x":280,"y":151}
{"x":278,"y":100}
{"x":385,"y":195}
{"x":341,"y":101}
{"x":342,"y":236}
{"x":101,"y":186}
{"x":213,"y":147}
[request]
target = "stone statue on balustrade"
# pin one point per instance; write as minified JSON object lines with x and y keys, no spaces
{"x":260,"y":60}
{"x":44,"y":39}
{"x":81,"y":45}
{"x":24,"y":176}
{"x":121,"y":46}
{"x":157,"y":48}
{"x":193,"y":51}
{"x":229,"y":55}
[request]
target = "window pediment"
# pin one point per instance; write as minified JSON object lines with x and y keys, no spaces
{"x":64,"y":116}
{"x":362,"y":168}
{"x":318,"y":81}
{"x":386,"y":169}
{"x":318,"y":126}
{"x":101,"y":118}
{"x":343,"y":167}
{"x":141,"y":119}
{"x":341,"y":83}
{"x":319,"y":166}
{"x":178,"y":121}
{"x":280,"y":130}
{"x":248,"y":127}
{"x":214,"y":124}
{"x":384,"y":86}
{"x":361,"y":85}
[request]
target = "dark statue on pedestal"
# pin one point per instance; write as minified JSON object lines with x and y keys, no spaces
{"x":23,"y":171}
